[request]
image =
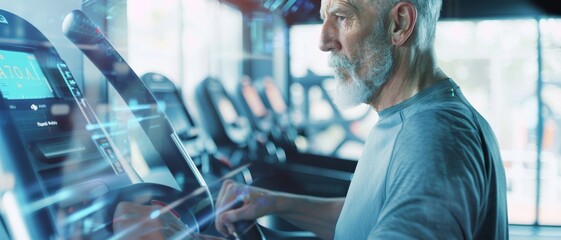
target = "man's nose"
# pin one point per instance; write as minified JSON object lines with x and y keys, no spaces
{"x":329,"y":38}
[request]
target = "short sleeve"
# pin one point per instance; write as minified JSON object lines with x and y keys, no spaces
{"x":434,"y":182}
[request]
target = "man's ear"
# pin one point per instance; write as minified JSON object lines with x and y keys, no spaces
{"x":403,"y":18}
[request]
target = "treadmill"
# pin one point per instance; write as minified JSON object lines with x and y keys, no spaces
{"x":63,"y":170}
{"x":287,"y":132}
{"x":268,"y":113}
{"x":225,"y":122}
{"x":301,"y":173}
{"x":213,"y":164}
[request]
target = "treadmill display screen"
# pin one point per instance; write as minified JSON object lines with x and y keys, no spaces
{"x":274,"y":96}
{"x":254,"y":101}
{"x":174,"y":110}
{"x":227,"y":110}
{"x":21,"y":77}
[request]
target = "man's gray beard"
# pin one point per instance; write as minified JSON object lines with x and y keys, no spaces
{"x":359,"y":89}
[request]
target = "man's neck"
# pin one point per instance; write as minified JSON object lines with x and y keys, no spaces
{"x":413,"y":71}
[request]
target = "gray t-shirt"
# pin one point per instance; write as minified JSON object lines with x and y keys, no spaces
{"x":431,"y":169}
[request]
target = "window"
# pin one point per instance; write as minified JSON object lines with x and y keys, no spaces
{"x":154,"y":37}
{"x":550,"y":122}
{"x":186,"y":41}
{"x":507,"y":77}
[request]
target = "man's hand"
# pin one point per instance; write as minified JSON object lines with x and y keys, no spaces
{"x":315,"y":214}
{"x":256,"y":202}
{"x":135,"y":221}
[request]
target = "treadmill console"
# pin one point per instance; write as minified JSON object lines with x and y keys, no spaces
{"x":170,"y":100}
{"x":69,"y":173}
{"x":261,"y":117}
{"x":221,"y":118}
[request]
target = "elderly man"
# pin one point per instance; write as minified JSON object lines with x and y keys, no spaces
{"x":431,"y":167}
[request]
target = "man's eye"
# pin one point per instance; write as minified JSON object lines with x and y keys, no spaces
{"x":341,"y":18}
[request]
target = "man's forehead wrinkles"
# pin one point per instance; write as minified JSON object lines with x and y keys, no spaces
{"x":331,"y":6}
{"x":353,"y":4}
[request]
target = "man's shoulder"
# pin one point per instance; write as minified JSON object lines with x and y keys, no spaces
{"x":438,"y":133}
{"x":436,"y":145}
{"x":442,"y":117}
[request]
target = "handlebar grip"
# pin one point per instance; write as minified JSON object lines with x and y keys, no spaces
{"x":247,"y":229}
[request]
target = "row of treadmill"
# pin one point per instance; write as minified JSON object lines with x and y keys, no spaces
{"x":64,"y":168}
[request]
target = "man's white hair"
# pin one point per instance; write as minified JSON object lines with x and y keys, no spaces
{"x":428,"y":12}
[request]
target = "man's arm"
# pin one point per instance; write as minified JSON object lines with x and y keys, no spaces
{"x":318,"y":215}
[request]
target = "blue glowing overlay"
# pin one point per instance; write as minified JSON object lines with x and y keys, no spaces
{"x":21,"y":77}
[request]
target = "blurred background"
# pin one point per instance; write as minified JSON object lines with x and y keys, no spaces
{"x":505,"y":55}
